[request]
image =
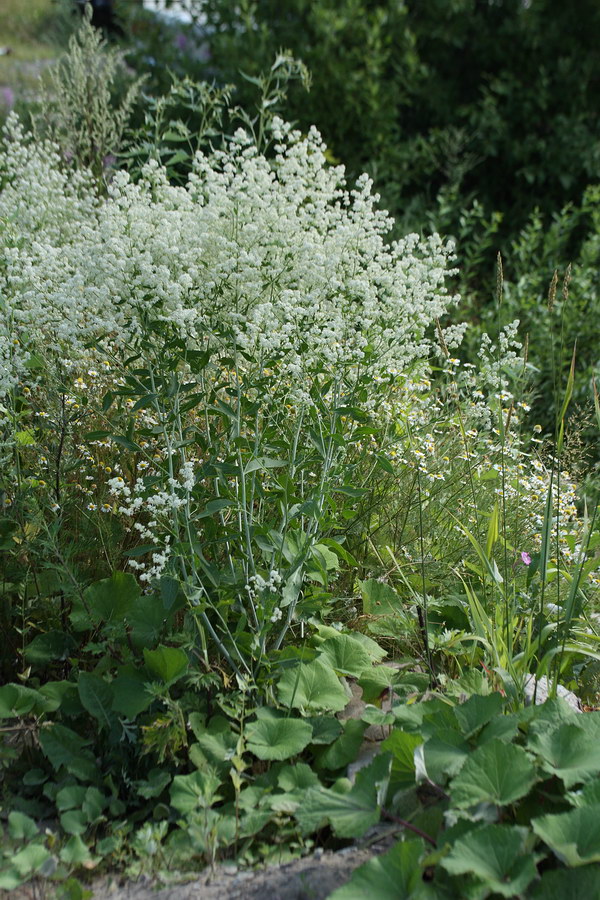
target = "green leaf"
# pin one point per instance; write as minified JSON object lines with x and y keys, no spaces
{"x":46,"y":647}
{"x":445,"y":755}
{"x":107,"y":600}
{"x":130,"y":696}
{"x":63,"y":747}
{"x":345,"y":748}
{"x":567,"y":751}
{"x":214,"y":506}
{"x":155,"y":784}
{"x":97,"y":697}
{"x":70,"y":797}
{"x":298,"y":777}
{"x":567,"y":884}
{"x":395,"y":875}
{"x":21,"y":827}
{"x":195,"y":791}
{"x":75,"y":852}
{"x":30,"y":859}
{"x":497,"y":855}
{"x":263,"y":462}
{"x":496,"y":773}
{"x":345,"y":654}
{"x":17,"y":700}
{"x":376,"y":681}
{"x":350,"y":814}
{"x":312,"y":686}
{"x":277,"y":738}
{"x":477,"y":711}
{"x":573,"y":836}
{"x":325,"y":729}
{"x":74,"y":821}
{"x":167,"y":663}
{"x":402,"y":746}
{"x":379,"y":598}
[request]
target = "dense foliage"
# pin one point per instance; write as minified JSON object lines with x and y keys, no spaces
{"x":257,"y":506}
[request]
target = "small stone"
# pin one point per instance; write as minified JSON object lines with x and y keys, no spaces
{"x":540,"y":688}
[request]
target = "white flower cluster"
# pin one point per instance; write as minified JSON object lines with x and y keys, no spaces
{"x":273,"y":256}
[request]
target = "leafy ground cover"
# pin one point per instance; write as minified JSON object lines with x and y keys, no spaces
{"x":246,"y":465}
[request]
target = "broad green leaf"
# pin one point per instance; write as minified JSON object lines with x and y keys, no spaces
{"x":46,"y":647}
{"x":154,"y":785}
{"x":345,"y":654}
{"x":30,"y":859}
{"x":395,"y":875}
{"x":589,"y":795}
{"x":402,"y":746}
{"x":444,"y":755}
{"x":74,"y":821}
{"x":352,"y":813}
{"x":312,"y":686}
{"x":264,"y":462}
{"x":64,"y":747}
{"x":379,"y":598}
{"x":496,"y":773}
{"x":194,"y":792}
{"x":567,"y":751}
{"x":376,"y":681}
{"x":17,"y":700}
{"x":21,"y":827}
{"x":130,"y":696}
{"x":567,"y":884}
{"x":97,"y":697}
{"x":298,"y":777}
{"x":325,"y":729}
{"x":277,"y":738}
{"x":496,"y":854}
{"x":477,"y":711}
{"x":573,"y":836}
{"x":110,"y":598}
{"x":70,"y":797}
{"x":166,"y":663}
{"x":345,"y":748}
{"x":75,"y":852}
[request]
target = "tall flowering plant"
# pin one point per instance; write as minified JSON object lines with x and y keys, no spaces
{"x":236,"y":341}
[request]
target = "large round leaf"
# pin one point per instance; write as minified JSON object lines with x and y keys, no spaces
{"x":573,"y":836}
{"x":569,"y":752}
{"x":568,"y":884}
{"x":345,"y":654}
{"x":496,"y":773}
{"x":312,"y":686}
{"x":278,"y":738}
{"x":495,"y":854}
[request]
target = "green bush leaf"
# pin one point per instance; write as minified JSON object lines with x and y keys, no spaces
{"x":64,"y":747}
{"x":573,"y":836}
{"x":379,"y":598}
{"x":108,"y":600}
{"x":195,"y":791}
{"x":496,"y":854}
{"x":345,"y":654}
{"x":395,"y":875}
{"x":166,"y":663}
{"x":130,"y":696}
{"x":17,"y":700}
{"x":46,"y":647}
{"x":477,"y":711}
{"x":325,"y":729}
{"x":345,"y":748}
{"x":567,"y":751}
{"x":312,"y":686}
{"x":350,"y":814}
{"x":278,"y":738}
{"x":21,"y":827}
{"x":567,"y":884}
{"x":97,"y":697}
{"x":496,"y":773}
{"x":402,"y":746}
{"x":445,"y":755}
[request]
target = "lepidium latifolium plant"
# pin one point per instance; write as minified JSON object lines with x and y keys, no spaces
{"x":228,"y":350}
